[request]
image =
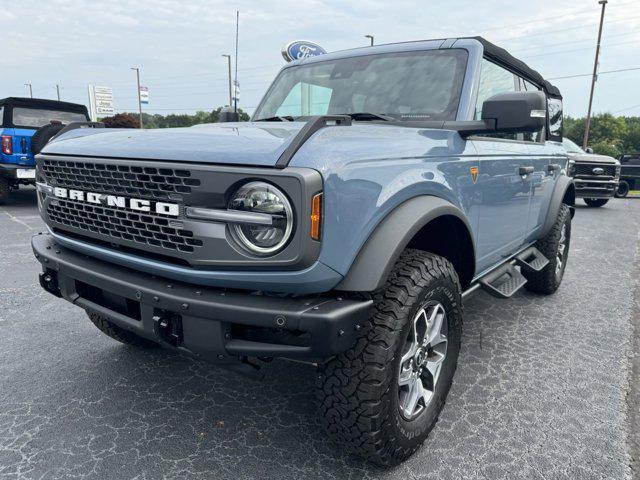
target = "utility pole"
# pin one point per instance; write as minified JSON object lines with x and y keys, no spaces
{"x":370,"y":37}
{"x":58,"y":91}
{"x":235,"y":83}
{"x":138,"y":93}
{"x":585,"y":141}
{"x":30,"y":89}
{"x":230,"y":94}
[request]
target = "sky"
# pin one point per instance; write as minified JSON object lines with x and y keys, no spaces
{"x":179,"y":45}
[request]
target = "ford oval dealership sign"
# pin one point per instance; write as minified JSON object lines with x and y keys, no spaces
{"x":301,"y":49}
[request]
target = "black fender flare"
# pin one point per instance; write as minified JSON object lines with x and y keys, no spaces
{"x":378,"y":255}
{"x":563,"y":185}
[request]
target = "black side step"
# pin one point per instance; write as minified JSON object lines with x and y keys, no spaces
{"x":312,"y":126}
{"x":504,"y":281}
{"x":532,"y":260}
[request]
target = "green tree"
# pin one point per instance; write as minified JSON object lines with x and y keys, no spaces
{"x":183,"y":119}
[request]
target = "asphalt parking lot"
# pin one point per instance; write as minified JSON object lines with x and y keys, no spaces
{"x":546,"y":388}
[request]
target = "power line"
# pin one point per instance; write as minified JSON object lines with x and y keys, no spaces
{"x":628,"y":108}
{"x":579,"y":49}
{"x":599,"y":73}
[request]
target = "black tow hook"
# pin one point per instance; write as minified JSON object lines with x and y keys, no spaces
{"x":49,"y":281}
{"x":168,"y":328}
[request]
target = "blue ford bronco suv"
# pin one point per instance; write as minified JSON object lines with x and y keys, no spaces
{"x":372,"y":191}
{"x":20,"y":119}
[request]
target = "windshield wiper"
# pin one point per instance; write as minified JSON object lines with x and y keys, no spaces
{"x":369,"y":116}
{"x":283,"y":118}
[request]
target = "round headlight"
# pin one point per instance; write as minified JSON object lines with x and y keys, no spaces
{"x":263,"y":198}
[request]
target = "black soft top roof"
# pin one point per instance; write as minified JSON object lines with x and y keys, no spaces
{"x":501,"y":56}
{"x":43,"y":103}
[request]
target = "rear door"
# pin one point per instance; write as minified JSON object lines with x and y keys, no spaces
{"x":542,"y":177}
{"x":504,"y":178}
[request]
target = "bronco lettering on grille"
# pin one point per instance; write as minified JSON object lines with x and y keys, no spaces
{"x":137,"y":204}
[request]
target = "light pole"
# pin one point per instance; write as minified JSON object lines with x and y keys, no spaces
{"x":230,"y":94}
{"x":587,"y":124}
{"x":235,"y":80}
{"x":370,"y":37}
{"x":138,"y":93}
{"x":58,"y":91}
{"x":30,"y":89}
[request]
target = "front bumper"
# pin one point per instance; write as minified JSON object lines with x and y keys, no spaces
{"x":587,"y":188}
{"x":215,"y":324}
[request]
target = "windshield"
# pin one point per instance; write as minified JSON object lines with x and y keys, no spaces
{"x":571,"y":147}
{"x":36,"y":118}
{"x":421,"y":85}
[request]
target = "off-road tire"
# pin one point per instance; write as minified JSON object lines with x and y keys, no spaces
{"x":5,"y":190}
{"x":623,"y":189}
{"x":548,"y":280}
{"x":595,"y":202}
{"x":118,"y":333}
{"x":358,"y":389}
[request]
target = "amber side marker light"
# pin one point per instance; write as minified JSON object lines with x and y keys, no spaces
{"x":316,"y":216}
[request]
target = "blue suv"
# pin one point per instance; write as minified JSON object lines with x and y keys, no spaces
{"x":20,"y":118}
{"x":373,"y":190}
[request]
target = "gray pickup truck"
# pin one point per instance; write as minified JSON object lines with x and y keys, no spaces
{"x":373,"y":190}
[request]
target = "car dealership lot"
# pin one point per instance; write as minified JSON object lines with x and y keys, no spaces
{"x":544,"y":387}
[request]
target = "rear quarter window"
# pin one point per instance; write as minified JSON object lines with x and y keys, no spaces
{"x":36,"y":118}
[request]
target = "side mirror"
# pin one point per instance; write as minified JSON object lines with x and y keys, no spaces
{"x":588,"y":150}
{"x":516,"y":112}
{"x":512,"y":112}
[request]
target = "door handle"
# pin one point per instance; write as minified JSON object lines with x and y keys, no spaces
{"x":552,"y":167}
{"x":524,"y":171}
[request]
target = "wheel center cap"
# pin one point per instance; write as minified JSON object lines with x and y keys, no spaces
{"x":419,"y":358}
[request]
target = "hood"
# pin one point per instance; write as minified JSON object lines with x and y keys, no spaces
{"x":592,"y":158}
{"x":247,"y":143}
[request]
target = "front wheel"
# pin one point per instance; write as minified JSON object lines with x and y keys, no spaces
{"x":381,"y":398}
{"x":595,"y":202}
{"x":623,"y":189}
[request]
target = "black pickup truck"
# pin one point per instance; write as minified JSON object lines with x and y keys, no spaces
{"x":629,"y":174}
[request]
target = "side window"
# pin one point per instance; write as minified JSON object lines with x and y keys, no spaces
{"x":493,"y":80}
{"x":306,"y":99}
{"x":555,"y":119}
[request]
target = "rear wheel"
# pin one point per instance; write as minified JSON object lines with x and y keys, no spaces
{"x":381,"y":398}
{"x":554,"y":246}
{"x":5,"y":189}
{"x":120,"y":334}
{"x":595,"y":202}
{"x":623,"y":189}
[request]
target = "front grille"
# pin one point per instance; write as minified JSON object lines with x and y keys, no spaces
{"x":130,"y":180}
{"x":142,"y":229}
{"x":586,"y":170}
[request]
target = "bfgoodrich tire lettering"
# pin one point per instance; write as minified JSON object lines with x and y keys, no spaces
{"x":554,"y":246}
{"x":358,"y":390}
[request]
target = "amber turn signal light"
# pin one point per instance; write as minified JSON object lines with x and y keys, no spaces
{"x":316,"y":216}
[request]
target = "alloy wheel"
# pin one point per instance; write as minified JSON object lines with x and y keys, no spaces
{"x":420,"y":365}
